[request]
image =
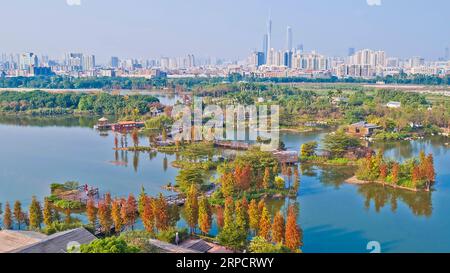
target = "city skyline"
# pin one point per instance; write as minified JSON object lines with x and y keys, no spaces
{"x":207,"y":30}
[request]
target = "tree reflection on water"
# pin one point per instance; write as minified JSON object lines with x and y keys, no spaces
{"x":419,"y":202}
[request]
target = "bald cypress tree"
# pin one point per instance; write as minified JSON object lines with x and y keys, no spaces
{"x":35,"y":214}
{"x":148,"y":215}
{"x":253,"y":213}
{"x":264,"y":224}
{"x":204,"y":215}
{"x":292,"y":233}
{"x":278,"y":229}
{"x":7,"y":217}
{"x":91,"y":212}
{"x":191,"y":208}
{"x":18,"y":214}
{"x":47,"y":212}
{"x":116,"y":216}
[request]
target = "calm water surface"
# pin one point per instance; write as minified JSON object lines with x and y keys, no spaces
{"x":334,"y":216}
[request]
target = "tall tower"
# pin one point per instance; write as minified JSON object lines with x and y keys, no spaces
{"x":269,"y":33}
{"x":265,"y":47}
{"x":289,"y":38}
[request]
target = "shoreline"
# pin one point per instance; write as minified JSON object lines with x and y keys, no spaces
{"x":355,"y":181}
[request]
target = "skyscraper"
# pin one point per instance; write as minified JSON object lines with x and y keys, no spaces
{"x":27,"y":61}
{"x":88,"y":62}
{"x":114,"y":62}
{"x":269,"y":35}
{"x":289,"y":38}
{"x":447,"y":54}
{"x":265,"y":47}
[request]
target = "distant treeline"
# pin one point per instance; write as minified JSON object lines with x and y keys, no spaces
{"x":61,"y":82}
{"x":45,"y":103}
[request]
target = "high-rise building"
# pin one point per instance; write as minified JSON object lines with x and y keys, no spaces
{"x":257,"y":59}
{"x":89,"y":62}
{"x":288,"y":58}
{"x":269,"y":36}
{"x":74,"y":61}
{"x":447,"y":54}
{"x":190,"y":60}
{"x":265,"y":47}
{"x":289,"y":38}
{"x":114,"y":62}
{"x":368,"y":57}
{"x":27,"y":61}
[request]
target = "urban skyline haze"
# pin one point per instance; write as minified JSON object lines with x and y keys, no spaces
{"x":229,"y":29}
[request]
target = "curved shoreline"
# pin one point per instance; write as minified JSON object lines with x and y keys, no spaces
{"x":356,"y":181}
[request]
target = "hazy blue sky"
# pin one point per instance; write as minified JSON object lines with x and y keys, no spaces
{"x":231,"y":28}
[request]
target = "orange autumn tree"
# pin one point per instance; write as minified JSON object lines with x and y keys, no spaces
{"x":243,"y":176}
{"x":116,"y":216}
{"x":161,"y":213}
{"x":148,"y":214}
{"x":383,"y":171}
{"x":131,"y":210}
{"x":253,"y":213}
{"x":191,"y":208}
{"x":7,"y":217}
{"x":265,"y":224}
{"x":395,"y":172}
{"x":429,"y":174}
{"x":415,"y":175}
{"x":292,"y":236}
{"x":104,"y":217}
{"x":91,"y":212}
{"x":278,"y":229}
{"x":266,"y":178}
{"x":204,"y":215}
{"x":219,"y":216}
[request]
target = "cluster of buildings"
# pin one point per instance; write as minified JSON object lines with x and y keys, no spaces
{"x":268,"y":62}
{"x":29,"y":64}
{"x":364,"y":63}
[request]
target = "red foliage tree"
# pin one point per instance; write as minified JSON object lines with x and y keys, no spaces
{"x":292,"y":234}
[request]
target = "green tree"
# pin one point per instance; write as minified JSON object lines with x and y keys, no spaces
{"x":308,"y":149}
{"x":108,"y":245}
{"x":260,"y":245}
{"x":337,"y":144}
{"x":189,"y":176}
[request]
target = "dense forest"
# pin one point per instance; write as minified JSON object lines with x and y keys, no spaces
{"x":60,"y":82}
{"x":42,"y":103}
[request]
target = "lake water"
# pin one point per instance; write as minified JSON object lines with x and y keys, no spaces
{"x":334,"y":216}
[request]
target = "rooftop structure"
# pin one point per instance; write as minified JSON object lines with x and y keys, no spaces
{"x":58,"y":242}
